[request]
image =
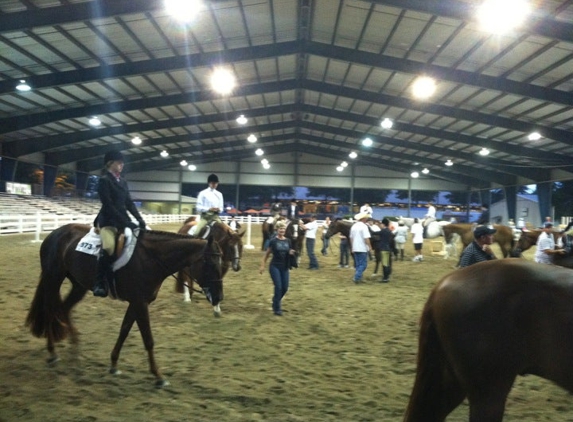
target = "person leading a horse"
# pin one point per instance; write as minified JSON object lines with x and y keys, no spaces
{"x":112,"y":217}
{"x":209,"y":203}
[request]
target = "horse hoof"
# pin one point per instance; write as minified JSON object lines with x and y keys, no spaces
{"x":161,"y":383}
{"x":52,"y":360}
{"x":217,"y":314}
{"x":114,"y":371}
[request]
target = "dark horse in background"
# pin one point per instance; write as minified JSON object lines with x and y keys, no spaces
{"x":156,"y":256}
{"x":231,"y":244}
{"x":342,"y":226}
{"x":484,"y":325}
{"x":503,"y":236}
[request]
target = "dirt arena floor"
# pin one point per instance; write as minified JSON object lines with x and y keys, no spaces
{"x":341,"y":352}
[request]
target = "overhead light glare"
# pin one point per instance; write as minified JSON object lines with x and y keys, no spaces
{"x":339,"y":168}
{"x":266,"y":166}
{"x":415,"y":174}
{"x":367,"y":142}
{"x":499,"y":17}
{"x":136,"y":141}
{"x":483,"y":152}
{"x":184,"y":11}
{"x":192,"y":167}
{"x":242,"y":120}
{"x":223,"y":81}
{"x":534,"y":136}
{"x":353,"y":155}
{"x":449,"y":163}
{"x":425,"y":170}
{"x":252,"y":138}
{"x":344,"y":164}
{"x":259,"y":152}
{"x":183,"y":163}
{"x":164,"y":154}
{"x":264,"y":161}
{"x":23,"y":86}
{"x":387,"y":123}
{"x":94,"y":121}
{"x":424,"y":87}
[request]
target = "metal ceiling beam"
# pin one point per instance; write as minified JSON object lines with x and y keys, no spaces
{"x":537,"y":24}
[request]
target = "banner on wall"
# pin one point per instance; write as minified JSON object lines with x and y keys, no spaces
{"x":18,"y":188}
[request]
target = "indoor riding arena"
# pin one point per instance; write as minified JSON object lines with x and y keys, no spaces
{"x":340,"y":352}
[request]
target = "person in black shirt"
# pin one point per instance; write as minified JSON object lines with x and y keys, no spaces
{"x":484,"y":217}
{"x":480,"y":249}
{"x":112,"y":217}
{"x":280,"y":248}
{"x":386,"y":246}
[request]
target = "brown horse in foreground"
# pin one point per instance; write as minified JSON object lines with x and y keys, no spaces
{"x":484,"y":325}
{"x":231,"y":244}
{"x":503,"y":236}
{"x":156,"y":256}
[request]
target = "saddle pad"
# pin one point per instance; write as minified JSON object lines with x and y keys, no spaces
{"x":91,"y":244}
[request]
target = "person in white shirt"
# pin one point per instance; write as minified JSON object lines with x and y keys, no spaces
{"x":400,"y":237}
{"x":429,"y":217}
{"x":417,"y":239}
{"x":360,"y":245}
{"x":310,"y":235}
{"x":325,"y":241}
{"x":209,"y":203}
{"x":366,"y":209}
{"x":546,"y":245}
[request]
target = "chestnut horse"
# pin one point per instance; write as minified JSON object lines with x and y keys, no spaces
{"x":156,"y":256}
{"x":484,"y":325}
{"x":527,"y":239}
{"x":503,"y":236}
{"x":231,"y":244}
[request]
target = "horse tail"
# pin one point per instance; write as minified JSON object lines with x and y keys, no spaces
{"x":436,"y":390}
{"x":47,"y":316}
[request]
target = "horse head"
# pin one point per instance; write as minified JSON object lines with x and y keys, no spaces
{"x":211,"y":277}
{"x":526,"y":240}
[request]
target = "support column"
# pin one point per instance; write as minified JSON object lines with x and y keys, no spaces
{"x":544,"y":194}
{"x":8,"y":169}
{"x":50,"y":173}
{"x":511,"y":200}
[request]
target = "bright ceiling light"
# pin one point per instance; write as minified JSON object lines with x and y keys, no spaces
{"x":425,"y":170}
{"x":264,"y":161}
{"x":94,"y":121}
{"x":183,"y":163}
{"x":367,"y":142}
{"x":449,"y":163}
{"x":266,"y":166}
{"x":344,"y":164}
{"x":164,"y":154}
{"x":387,"y":123}
{"x":223,"y":81}
{"x":499,"y":17}
{"x":339,"y":168}
{"x":242,"y":120}
{"x":259,"y":152}
{"x":534,"y":136}
{"x":252,"y":138}
{"x":415,"y":174}
{"x":424,"y":87}
{"x":23,"y":86}
{"x":192,"y":167}
{"x":483,"y":152}
{"x":183,"y":10}
{"x":353,"y":155}
{"x":136,"y":141}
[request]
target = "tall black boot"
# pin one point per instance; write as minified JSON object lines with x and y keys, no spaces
{"x":104,"y":275}
{"x":401,"y":254}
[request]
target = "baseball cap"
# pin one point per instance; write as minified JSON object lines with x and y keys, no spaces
{"x":483,"y":230}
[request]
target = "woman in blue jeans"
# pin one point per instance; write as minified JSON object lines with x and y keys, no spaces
{"x":280,"y":248}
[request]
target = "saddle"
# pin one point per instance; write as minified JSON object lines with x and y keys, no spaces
{"x":119,"y":243}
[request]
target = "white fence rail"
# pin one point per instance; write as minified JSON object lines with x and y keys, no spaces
{"x":15,"y":223}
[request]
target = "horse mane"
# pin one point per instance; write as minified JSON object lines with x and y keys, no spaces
{"x":165,"y":234}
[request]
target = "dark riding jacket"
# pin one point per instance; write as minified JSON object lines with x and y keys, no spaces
{"x":115,"y":203}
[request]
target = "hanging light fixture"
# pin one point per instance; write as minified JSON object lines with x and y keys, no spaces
{"x":483,"y":152}
{"x":192,"y":167}
{"x":136,"y":141}
{"x":242,"y":120}
{"x":23,"y":86}
{"x":94,"y":121}
{"x":164,"y":154}
{"x":367,"y":142}
{"x":387,"y":123}
{"x":353,"y":155}
{"x":415,"y":174}
{"x":252,"y":138}
{"x":425,"y":170}
{"x":259,"y":152}
{"x":449,"y":163}
{"x":183,"y":163}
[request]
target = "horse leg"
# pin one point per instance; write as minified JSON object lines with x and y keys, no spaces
{"x":127,"y":323}
{"x":141,"y":311}
{"x":186,"y":291}
{"x":378,"y":256}
{"x":488,"y":403}
{"x":74,"y":296}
